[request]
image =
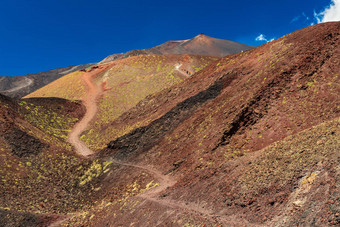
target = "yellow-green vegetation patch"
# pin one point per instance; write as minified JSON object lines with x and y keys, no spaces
{"x":48,"y":182}
{"x":54,"y":125}
{"x":94,"y":171}
{"x":123,"y":200}
{"x":69,"y":86}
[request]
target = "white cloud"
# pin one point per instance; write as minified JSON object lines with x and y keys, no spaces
{"x":300,"y":17}
{"x":295,"y":19}
{"x":262,"y":37}
{"x":317,"y":17}
{"x":305,"y":16}
{"x":331,"y":13}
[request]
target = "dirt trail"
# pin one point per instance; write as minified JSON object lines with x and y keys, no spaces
{"x":165,"y":182}
{"x":177,"y":67}
{"x":93,"y":92}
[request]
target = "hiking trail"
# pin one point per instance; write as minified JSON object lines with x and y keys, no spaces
{"x":165,"y":182}
{"x":93,"y":92}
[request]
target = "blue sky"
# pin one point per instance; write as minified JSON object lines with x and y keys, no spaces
{"x":39,"y":35}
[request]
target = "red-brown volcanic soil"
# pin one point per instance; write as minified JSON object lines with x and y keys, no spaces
{"x":209,"y":131}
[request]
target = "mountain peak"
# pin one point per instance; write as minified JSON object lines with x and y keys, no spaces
{"x":202,"y":36}
{"x":201,"y":44}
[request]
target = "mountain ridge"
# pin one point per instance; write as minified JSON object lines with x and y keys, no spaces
{"x":200,"y":45}
{"x":20,"y":86}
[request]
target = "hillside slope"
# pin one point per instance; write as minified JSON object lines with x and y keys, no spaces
{"x":130,"y":80}
{"x":200,"y":44}
{"x":37,"y":167}
{"x":216,"y":138}
{"x":20,"y":86}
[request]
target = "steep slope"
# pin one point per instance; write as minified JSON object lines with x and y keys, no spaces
{"x":20,"y":86}
{"x":200,"y":44}
{"x":40,"y":178}
{"x":133,"y":199}
{"x":130,"y":80}
{"x":289,"y":183}
{"x":252,"y":139}
{"x":271,"y":92}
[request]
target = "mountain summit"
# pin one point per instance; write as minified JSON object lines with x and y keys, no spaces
{"x":203,"y":45}
{"x":200,"y":44}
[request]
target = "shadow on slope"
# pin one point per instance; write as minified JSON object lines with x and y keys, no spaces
{"x":275,"y":92}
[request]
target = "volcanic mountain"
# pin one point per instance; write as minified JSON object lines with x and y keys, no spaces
{"x":20,"y":86}
{"x":251,"y":139}
{"x":131,"y":80}
{"x":200,"y":44}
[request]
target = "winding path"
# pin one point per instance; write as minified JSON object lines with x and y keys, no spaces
{"x":93,"y":93}
{"x":90,"y":102}
{"x":167,"y":181}
{"x":164,"y":180}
